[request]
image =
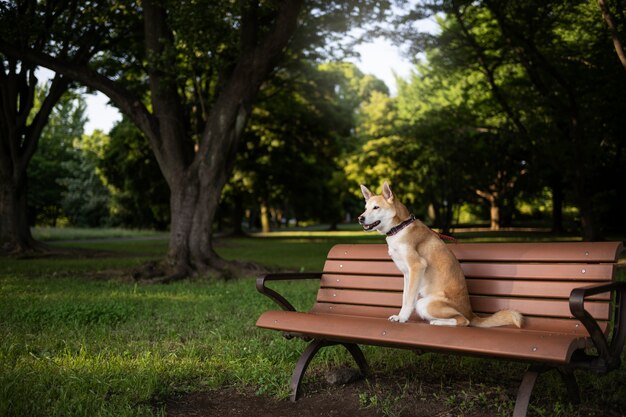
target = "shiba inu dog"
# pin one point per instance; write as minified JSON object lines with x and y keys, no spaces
{"x":434,"y":284}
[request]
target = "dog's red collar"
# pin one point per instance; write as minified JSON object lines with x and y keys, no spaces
{"x":394,"y":230}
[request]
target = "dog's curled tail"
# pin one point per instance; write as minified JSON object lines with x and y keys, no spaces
{"x":499,"y":318}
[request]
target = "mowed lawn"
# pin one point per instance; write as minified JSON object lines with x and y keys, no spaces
{"x":78,"y":337}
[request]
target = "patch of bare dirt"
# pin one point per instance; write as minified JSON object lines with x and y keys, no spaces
{"x":382,"y":396}
{"x":364,"y":398}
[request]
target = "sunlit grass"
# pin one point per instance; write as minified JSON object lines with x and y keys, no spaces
{"x":78,"y":233}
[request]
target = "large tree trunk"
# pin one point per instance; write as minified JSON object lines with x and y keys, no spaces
{"x":195,"y":172}
{"x":15,"y":233}
{"x":494,"y":208}
{"x":196,"y":191}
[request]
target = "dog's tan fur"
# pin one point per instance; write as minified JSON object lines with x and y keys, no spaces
{"x":434,"y":284}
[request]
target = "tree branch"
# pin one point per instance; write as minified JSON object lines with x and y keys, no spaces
{"x":123,"y":99}
{"x":254,"y":65}
{"x":610,"y":22}
{"x":57,"y":89}
{"x":176,"y":150}
{"x":489,"y":73}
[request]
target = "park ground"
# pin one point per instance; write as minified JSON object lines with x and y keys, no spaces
{"x":81,"y":337}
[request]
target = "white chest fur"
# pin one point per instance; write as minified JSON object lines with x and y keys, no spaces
{"x":398,"y":251}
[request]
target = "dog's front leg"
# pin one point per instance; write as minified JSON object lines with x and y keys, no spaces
{"x":410,"y":291}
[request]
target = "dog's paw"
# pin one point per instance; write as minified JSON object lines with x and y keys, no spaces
{"x":398,"y":319}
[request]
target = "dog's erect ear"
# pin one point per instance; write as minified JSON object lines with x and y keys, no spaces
{"x":366,"y":193}
{"x":387,"y":192}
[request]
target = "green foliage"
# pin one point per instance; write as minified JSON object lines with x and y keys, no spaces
{"x":48,"y":164}
{"x":85,"y":199}
{"x":64,"y":186}
{"x":139,"y":194}
{"x":298,"y":134}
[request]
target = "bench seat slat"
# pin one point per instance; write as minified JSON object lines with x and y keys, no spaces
{"x":500,"y":342}
{"x":480,"y":304}
{"x":521,"y":288}
{"x":510,"y":252}
{"x":563,"y":325}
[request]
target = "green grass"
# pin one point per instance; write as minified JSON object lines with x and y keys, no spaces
{"x":74,"y":344}
{"x":78,"y":347}
{"x":79,"y":233}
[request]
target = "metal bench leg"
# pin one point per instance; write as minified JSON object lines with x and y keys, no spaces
{"x":525,"y":389}
{"x":358,"y":356}
{"x":310,"y":352}
{"x":303,"y":364}
{"x":528,"y":383}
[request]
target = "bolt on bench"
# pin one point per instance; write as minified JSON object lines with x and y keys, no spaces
{"x":575,"y":311}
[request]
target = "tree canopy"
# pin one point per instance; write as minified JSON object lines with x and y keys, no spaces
{"x":242,"y":107}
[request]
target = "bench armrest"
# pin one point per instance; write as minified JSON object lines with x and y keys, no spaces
{"x":286,"y":276}
{"x":609,"y":351}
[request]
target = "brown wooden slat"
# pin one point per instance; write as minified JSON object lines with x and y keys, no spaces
{"x":361,"y":267}
{"x":376,"y":251}
{"x":527,"y":252}
{"x":497,"y":342}
{"x":532,"y":307}
{"x":523,"y":288}
{"x":516,"y":288}
{"x":535,"y":307}
{"x":370,"y":298}
{"x":552,"y":271}
{"x":563,"y":325}
{"x":540,"y":252}
{"x":366,"y":282}
{"x":357,"y":310}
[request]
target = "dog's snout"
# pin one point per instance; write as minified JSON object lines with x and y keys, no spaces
{"x":361,"y":219}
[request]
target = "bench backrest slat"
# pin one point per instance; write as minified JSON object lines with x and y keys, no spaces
{"x":526,"y":306}
{"x":533,"y":278}
{"x":517,"y":287}
{"x":555,"y":271}
{"x":515,"y":252}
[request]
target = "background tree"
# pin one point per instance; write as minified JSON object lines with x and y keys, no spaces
{"x":616,"y":22}
{"x":65,"y":184}
{"x":298,"y":135}
{"x":550,"y":68}
{"x":68,"y":30}
{"x":45,"y":192}
{"x":139,"y":193}
{"x":85,"y":198}
{"x":204,"y":62}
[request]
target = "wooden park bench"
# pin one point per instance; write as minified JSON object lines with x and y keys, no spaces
{"x":575,"y":311}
